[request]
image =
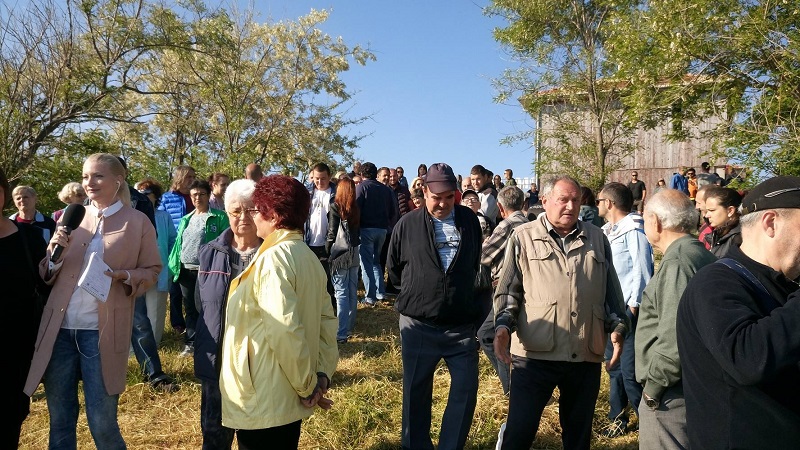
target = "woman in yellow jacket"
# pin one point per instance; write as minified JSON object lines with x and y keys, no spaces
{"x":279,"y":344}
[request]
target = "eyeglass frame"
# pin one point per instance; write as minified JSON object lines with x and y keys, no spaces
{"x":251,"y":213}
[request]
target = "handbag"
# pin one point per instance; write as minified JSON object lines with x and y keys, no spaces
{"x":483,"y":278}
{"x":342,"y":242}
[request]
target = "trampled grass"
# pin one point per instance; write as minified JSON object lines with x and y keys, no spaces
{"x":367,"y":391}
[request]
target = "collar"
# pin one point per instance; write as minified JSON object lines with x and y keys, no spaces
{"x":552,"y":231}
{"x":105,"y":212}
{"x":633,"y":221}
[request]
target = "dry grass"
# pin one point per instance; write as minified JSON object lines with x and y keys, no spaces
{"x":367,"y":389}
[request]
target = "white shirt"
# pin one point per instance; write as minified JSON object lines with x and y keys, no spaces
{"x":82,"y":309}
{"x":318,"y":219}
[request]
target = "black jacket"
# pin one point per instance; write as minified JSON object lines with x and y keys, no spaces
{"x":740,"y":363}
{"x":427,"y":292}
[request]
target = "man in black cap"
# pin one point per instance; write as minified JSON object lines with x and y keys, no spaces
{"x":433,"y":259}
{"x":739,"y":341}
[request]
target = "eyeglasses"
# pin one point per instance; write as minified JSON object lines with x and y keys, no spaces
{"x":470,"y":200}
{"x":240,"y":213}
{"x":597,"y":202}
{"x":441,"y":245}
{"x":634,"y":174}
{"x":691,"y":174}
{"x":198,"y":194}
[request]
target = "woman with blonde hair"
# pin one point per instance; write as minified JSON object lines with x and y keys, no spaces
{"x":85,"y":334}
{"x":72,"y":192}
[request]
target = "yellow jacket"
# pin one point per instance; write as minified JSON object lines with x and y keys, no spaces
{"x":280,"y":330}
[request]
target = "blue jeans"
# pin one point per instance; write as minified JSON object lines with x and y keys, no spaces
{"x":76,"y":355}
{"x":143,"y":341}
{"x":345,"y":288}
{"x":623,"y":387}
{"x":370,"y":253}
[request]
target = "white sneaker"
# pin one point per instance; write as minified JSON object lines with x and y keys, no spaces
{"x":188,"y":351}
{"x":500,"y":436}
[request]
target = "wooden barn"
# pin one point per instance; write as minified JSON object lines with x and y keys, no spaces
{"x":647,"y":151}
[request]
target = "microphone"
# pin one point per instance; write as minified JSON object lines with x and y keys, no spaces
{"x":72,"y":218}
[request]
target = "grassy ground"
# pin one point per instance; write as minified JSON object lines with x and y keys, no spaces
{"x":367,"y":389}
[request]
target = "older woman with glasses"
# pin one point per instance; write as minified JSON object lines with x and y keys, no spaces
{"x":221,"y":260}
{"x":279,"y":339}
{"x":197,"y":228}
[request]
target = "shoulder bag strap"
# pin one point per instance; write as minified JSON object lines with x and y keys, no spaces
{"x":767,"y":302}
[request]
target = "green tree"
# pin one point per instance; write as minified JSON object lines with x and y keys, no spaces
{"x":65,"y":65}
{"x":247,"y":92}
{"x":734,"y":59}
{"x":566,"y":83}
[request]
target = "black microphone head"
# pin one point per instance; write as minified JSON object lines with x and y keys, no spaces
{"x":73,"y":216}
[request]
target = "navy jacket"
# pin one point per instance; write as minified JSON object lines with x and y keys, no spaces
{"x":213,"y":281}
{"x":427,"y":292}
{"x":377,"y":203}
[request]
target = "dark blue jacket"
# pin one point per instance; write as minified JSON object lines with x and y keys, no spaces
{"x":377,"y":203}
{"x":427,"y":292}
{"x":213,"y":281}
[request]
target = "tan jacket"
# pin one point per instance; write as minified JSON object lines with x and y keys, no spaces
{"x":561,"y":304}
{"x":129,"y":243}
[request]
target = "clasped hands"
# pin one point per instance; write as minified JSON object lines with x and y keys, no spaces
{"x":317,"y":397}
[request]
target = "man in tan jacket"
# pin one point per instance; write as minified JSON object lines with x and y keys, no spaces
{"x":559,"y":294}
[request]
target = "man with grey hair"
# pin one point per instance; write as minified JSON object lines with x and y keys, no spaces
{"x":559,"y":294}
{"x":669,"y":218}
{"x":737,"y":329}
{"x":509,"y":201}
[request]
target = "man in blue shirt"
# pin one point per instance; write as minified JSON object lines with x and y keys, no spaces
{"x":679,"y":181}
{"x":633,"y":262}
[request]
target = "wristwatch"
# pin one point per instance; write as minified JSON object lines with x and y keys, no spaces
{"x":650,"y":402}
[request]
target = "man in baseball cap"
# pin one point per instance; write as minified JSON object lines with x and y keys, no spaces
{"x":738,"y":330}
{"x":433,"y":258}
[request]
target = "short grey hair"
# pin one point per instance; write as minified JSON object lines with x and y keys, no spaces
{"x":674,"y":210}
{"x":748,"y":220}
{"x":550,"y":183}
{"x":511,"y":197}
{"x":240,"y":191}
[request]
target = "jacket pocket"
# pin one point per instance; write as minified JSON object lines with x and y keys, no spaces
{"x":537,"y":325}
{"x":597,"y":333}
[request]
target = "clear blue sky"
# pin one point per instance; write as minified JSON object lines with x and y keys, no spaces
{"x":429,"y":91}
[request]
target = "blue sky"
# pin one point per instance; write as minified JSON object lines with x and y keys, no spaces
{"x":429,"y":91}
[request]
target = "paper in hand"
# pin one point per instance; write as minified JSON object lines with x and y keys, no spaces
{"x":94,"y":279}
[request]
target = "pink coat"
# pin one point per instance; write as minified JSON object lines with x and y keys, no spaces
{"x":129,"y":243}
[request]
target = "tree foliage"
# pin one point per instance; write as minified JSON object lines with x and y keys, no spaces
{"x":567,"y":83}
{"x":737,"y":59}
{"x":168,"y":84}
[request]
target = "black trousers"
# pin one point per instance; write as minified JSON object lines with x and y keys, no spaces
{"x":532,"y":385}
{"x":322,"y":255}
{"x":284,"y":437}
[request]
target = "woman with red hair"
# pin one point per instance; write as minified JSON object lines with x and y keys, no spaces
{"x":279,"y":343}
{"x":341,"y":245}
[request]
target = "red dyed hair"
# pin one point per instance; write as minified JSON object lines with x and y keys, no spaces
{"x":283,"y":198}
{"x":346,"y":201}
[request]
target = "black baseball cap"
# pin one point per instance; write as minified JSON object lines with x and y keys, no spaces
{"x":440,"y":178}
{"x":775,"y":193}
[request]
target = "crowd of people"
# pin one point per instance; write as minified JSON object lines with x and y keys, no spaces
{"x":261,"y":277}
